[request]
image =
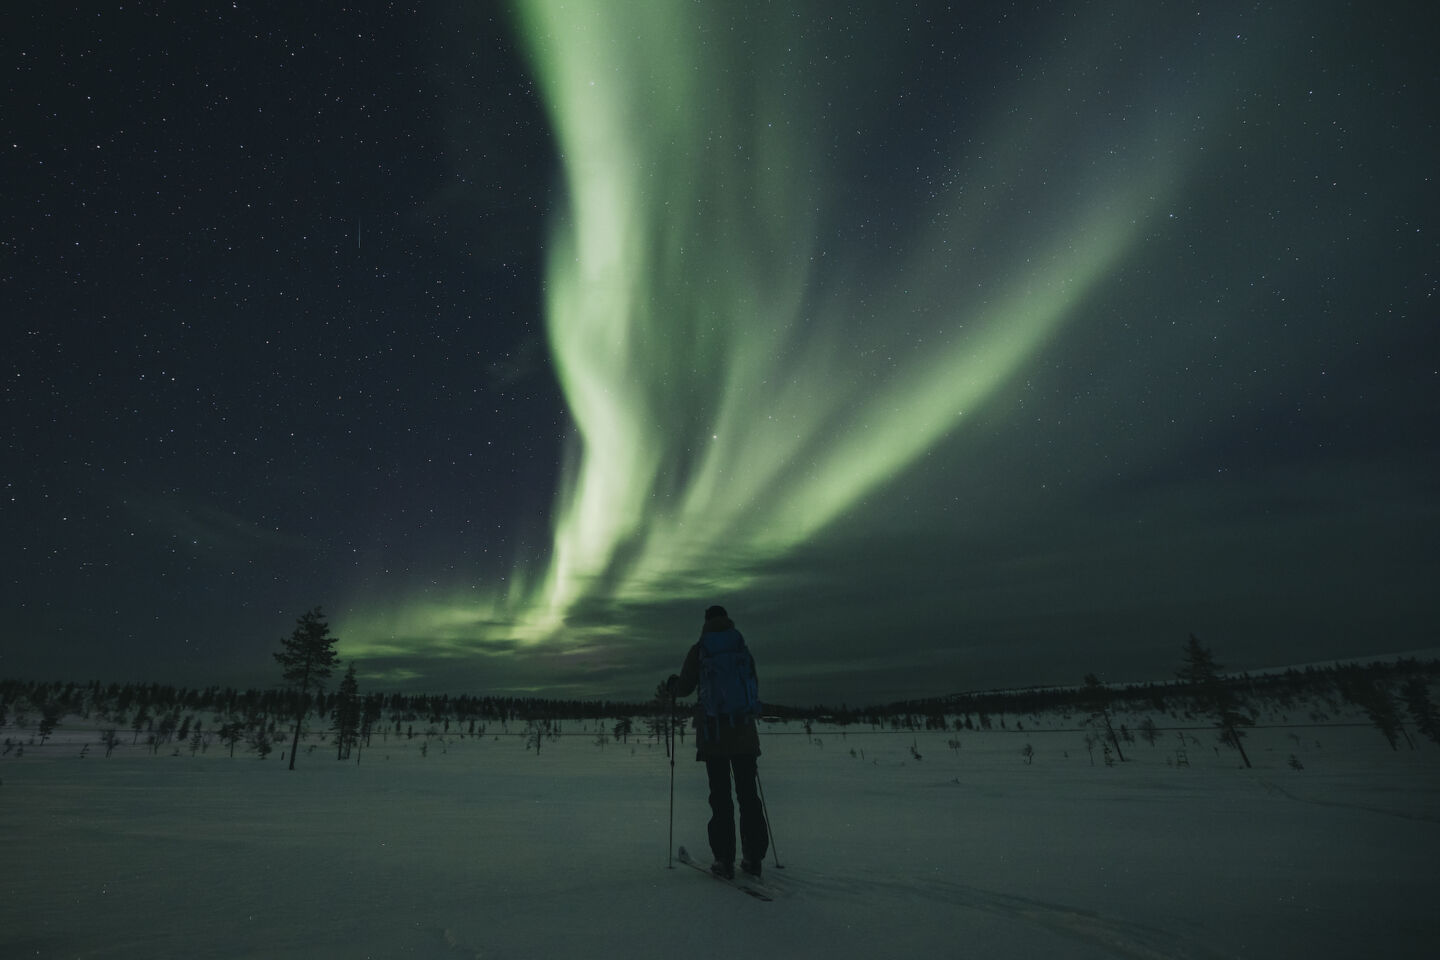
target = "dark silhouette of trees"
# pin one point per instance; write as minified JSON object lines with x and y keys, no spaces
{"x":232,"y":733}
{"x":260,"y":739}
{"x":49,"y":720}
{"x":538,"y":730}
{"x":623,"y":729}
{"x":370,"y":713}
{"x":163,"y":733}
{"x":1362,"y":689}
{"x":1148,"y":731}
{"x":1201,"y":674}
{"x":1097,"y":698}
{"x":307,"y":655}
{"x":1314,"y":694}
{"x":1417,"y":700}
{"x":347,"y":715}
{"x":1198,"y":668}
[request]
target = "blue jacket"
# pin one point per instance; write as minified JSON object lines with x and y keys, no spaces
{"x":713,"y":739}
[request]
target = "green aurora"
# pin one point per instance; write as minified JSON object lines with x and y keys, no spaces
{"x":742,"y":365}
{"x":723,"y":392}
{"x":776,"y":288}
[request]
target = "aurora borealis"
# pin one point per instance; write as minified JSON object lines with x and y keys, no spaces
{"x":687,"y":258}
{"x":947,"y":348}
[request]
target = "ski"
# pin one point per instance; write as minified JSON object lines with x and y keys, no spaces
{"x":684,"y":857}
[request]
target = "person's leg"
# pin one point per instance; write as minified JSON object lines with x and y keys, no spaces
{"x":722,"y":811}
{"x":754,"y":833}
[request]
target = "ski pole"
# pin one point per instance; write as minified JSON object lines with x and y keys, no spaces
{"x":670,"y":747}
{"x":766,"y":811}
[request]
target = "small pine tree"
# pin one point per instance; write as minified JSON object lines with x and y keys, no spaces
{"x":232,"y":733}
{"x":1417,"y":702}
{"x":1200,"y":671}
{"x":1360,"y":688}
{"x":1199,"y":668}
{"x":308,"y":655}
{"x":1148,"y":731}
{"x":623,"y":728}
{"x":49,"y":720}
{"x":370,"y":716}
{"x":163,"y":733}
{"x":1097,"y":699}
{"x":347,"y":715}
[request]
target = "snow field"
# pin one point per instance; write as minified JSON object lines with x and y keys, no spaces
{"x":481,"y":849}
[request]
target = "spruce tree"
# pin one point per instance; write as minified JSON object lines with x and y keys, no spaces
{"x":347,"y":715}
{"x":623,"y":728}
{"x":308,"y":655}
{"x":232,"y":733}
{"x":49,"y":720}
{"x":1199,"y":668}
{"x":1359,"y":687}
{"x":1417,"y":700}
{"x":1202,"y":673}
{"x":369,"y":716}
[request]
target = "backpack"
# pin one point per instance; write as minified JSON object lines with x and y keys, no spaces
{"x":728,"y":686}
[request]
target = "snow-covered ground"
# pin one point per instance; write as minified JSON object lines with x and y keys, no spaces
{"x":478,"y":848}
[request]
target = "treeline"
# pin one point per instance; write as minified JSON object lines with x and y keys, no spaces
{"x":104,"y":702}
{"x":173,"y":719}
{"x":1372,"y":687}
{"x":1349,"y":682}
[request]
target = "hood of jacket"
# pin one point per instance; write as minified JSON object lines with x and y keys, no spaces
{"x":718,"y":625}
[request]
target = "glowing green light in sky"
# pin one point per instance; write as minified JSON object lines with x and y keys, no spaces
{"x":726,"y":410}
{"x":745,"y":357}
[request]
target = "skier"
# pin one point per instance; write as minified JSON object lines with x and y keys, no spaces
{"x":726,"y":739}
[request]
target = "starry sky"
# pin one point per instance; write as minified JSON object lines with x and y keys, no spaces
{"x":950,"y":346}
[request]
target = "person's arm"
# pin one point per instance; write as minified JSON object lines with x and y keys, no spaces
{"x":689,"y":673}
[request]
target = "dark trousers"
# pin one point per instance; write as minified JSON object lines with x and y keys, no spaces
{"x":754,"y":833}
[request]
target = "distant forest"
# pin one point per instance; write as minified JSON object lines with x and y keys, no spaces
{"x":1390,"y":695}
{"x":1363,"y":685}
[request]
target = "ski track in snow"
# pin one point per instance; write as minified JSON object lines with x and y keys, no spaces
{"x":1119,"y":937}
{"x":1276,"y":789}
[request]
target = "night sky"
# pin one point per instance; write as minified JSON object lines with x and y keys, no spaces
{"x":949,"y":346}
